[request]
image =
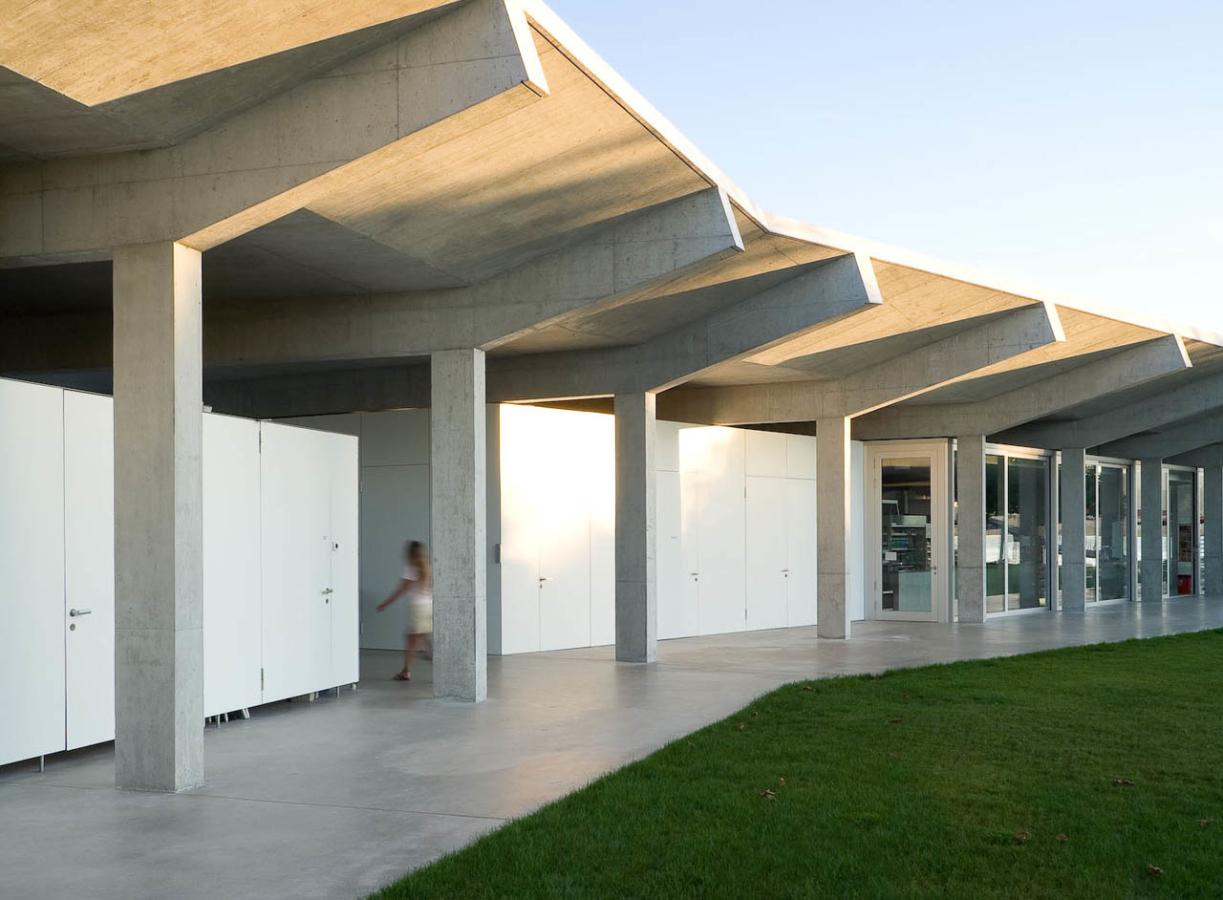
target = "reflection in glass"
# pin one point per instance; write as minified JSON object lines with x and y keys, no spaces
{"x":1027,"y":517}
{"x":1183,"y":553}
{"x":1113,"y":556}
{"x":905,"y":538}
{"x":995,"y":568}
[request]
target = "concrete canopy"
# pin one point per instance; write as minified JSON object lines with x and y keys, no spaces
{"x":375,"y":182}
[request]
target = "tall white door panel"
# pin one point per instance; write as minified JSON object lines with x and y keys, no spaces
{"x":232,"y":579}
{"x":89,"y":569}
{"x":521,"y":470}
{"x":345,"y":576}
{"x":394,"y":510}
{"x":564,"y":546}
{"x":676,"y":616}
{"x":296,"y":569}
{"x":32,"y":626}
{"x":722,"y":540}
{"x":601,"y":499}
{"x":767,"y":572}
{"x":800,"y":551}
{"x":686,"y":620}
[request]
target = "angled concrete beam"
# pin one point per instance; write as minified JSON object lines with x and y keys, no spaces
{"x":1130,"y":367}
{"x":833,"y":288}
{"x":1195,"y":433}
{"x":1001,"y":338}
{"x":628,"y":261}
{"x":451,"y":75}
{"x":1189,"y":399}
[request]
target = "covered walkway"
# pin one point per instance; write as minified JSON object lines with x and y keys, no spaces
{"x":340,"y":796}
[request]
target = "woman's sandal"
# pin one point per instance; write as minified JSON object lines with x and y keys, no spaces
{"x":403,"y":676}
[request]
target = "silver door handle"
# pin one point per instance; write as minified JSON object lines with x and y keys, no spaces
{"x":80,"y":612}
{"x":542,"y":580}
{"x":328,"y":591}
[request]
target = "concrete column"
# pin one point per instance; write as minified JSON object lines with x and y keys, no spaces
{"x":970,"y":526}
{"x":457,"y":439}
{"x":1073,"y":490}
{"x":158,"y":410}
{"x":636,"y":571}
{"x":1212,"y":502}
{"x":832,"y":470}
{"x":1151,"y":573}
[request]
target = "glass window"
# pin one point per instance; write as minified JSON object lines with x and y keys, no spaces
{"x":906,"y":566}
{"x":995,"y":568}
{"x":1090,"y":545}
{"x":1112,"y":553}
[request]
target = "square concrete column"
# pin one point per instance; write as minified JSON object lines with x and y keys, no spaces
{"x":636,"y":572}
{"x":159,"y":582}
{"x":1151,"y":574}
{"x":457,"y":436}
{"x":1212,"y":502}
{"x":970,"y":526}
{"x":833,"y":512}
{"x":1073,"y":490}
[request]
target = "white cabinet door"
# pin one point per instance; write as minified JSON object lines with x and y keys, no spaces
{"x":722,"y":542}
{"x":521,"y":471}
{"x":601,"y":498}
{"x":766,"y":548}
{"x":296,"y":567}
{"x":394,"y":510}
{"x":800,"y":551}
{"x":345,"y":589}
{"x":564,"y":546}
{"x":31,"y":570}
{"x":676,"y":617}
{"x":89,"y":569}
{"x":232,"y":579}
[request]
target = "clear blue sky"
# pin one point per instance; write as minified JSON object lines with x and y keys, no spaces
{"x":1074,"y":145}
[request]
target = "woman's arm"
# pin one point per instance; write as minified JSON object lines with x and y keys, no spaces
{"x":403,"y":588}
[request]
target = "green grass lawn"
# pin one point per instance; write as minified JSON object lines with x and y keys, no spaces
{"x":1059,"y":774}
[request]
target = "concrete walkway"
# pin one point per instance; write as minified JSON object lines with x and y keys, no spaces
{"x":336,"y":798}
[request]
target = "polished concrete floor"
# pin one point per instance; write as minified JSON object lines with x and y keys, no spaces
{"x":337,"y":797}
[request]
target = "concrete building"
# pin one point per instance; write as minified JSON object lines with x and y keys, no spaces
{"x":574,"y":353}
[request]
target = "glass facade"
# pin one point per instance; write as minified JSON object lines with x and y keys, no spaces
{"x":1182,"y":547}
{"x":1017,"y":545}
{"x":1113,"y":533}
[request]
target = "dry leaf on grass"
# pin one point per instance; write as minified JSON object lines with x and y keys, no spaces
{"x":1063,"y":838}
{"x":1123,"y":782}
{"x":1206,"y":823}
{"x":769,"y":794}
{"x":1022,"y":837}
{"x":1154,"y":870}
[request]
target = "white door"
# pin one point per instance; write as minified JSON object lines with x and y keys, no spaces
{"x":686,"y":619}
{"x":89,"y":569}
{"x":521,"y":471}
{"x":296,"y":568}
{"x":800,"y":551}
{"x":232,"y":579}
{"x":32,"y":568}
{"x":766,"y":553}
{"x":344,"y":521}
{"x":909,"y":528}
{"x":722,"y":565}
{"x":676,"y":603}
{"x":564,"y":546}
{"x":601,"y":497}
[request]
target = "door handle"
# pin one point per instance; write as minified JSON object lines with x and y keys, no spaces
{"x":80,"y":612}
{"x":542,"y":580}
{"x":328,"y":591}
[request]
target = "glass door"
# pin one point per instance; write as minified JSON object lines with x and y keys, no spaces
{"x":1017,"y":531}
{"x":1112,"y":532}
{"x":909,"y":531}
{"x":1182,"y":543}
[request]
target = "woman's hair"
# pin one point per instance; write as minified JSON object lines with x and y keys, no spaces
{"x":418,"y":549}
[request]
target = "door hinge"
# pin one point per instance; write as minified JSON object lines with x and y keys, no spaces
{"x":260,"y":679}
